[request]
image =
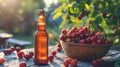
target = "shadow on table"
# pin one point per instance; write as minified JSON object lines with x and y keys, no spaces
{"x":54,"y":64}
{"x":1,"y":65}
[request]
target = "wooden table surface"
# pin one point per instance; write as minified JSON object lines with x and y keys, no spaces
{"x":13,"y":61}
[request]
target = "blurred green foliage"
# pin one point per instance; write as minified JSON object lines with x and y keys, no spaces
{"x":98,"y":15}
{"x":18,"y":16}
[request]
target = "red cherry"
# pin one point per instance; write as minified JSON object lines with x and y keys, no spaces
{"x":10,"y":51}
{"x":85,"y":28}
{"x":58,"y":45}
{"x":74,"y":62}
{"x":20,"y":54}
{"x":110,"y":41}
{"x":100,"y":42}
{"x":97,"y":63}
{"x":51,"y":57}
{"x":104,"y":14}
{"x":27,"y":56}
{"x":73,"y":35}
{"x":62,"y":37}
{"x":18,"y":49}
{"x":93,"y":39}
{"x":2,"y":60}
{"x":99,"y":34}
{"x":13,"y":49}
{"x":31,"y":53}
{"x":69,"y":60}
{"x":5,"y":51}
{"x":92,"y":33}
{"x":64,"y":32}
{"x":59,"y":49}
{"x":66,"y":63}
{"x":83,"y":41}
{"x":115,"y":31}
{"x":79,"y":17}
{"x":54,"y":53}
{"x":22,"y":64}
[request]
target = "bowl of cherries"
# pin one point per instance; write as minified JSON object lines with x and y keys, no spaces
{"x":84,"y":44}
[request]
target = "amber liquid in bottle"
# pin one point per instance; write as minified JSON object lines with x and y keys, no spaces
{"x":41,"y":41}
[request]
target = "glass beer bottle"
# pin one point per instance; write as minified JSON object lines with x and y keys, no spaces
{"x":41,"y":41}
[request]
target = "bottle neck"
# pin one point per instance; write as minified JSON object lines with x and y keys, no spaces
{"x":41,"y":21}
{"x":41,"y":27}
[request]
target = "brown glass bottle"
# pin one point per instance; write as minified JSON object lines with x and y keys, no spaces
{"x":41,"y":41}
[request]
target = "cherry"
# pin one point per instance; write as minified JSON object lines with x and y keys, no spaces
{"x":2,"y":60}
{"x":92,"y":33}
{"x":62,"y":37}
{"x":13,"y":49}
{"x":83,"y":41}
{"x":27,"y":56}
{"x":22,"y":64}
{"x":66,"y":63}
{"x":18,"y":49}
{"x":51,"y":57}
{"x":73,"y":35}
{"x":85,"y":28}
{"x":59,"y":49}
{"x":79,"y":17}
{"x":115,"y":31}
{"x":104,"y":14}
{"x":99,"y":42}
{"x":31,"y":53}
{"x":20,"y":54}
{"x":10,"y":51}
{"x":5,"y":51}
{"x":54,"y":53}
{"x":93,"y":39}
{"x":110,"y":41}
{"x":74,"y":62}
{"x":58,"y":45}
{"x":64,"y":32}
{"x":99,"y":34}
{"x":97,"y":63}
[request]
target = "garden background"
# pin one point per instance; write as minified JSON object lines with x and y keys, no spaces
{"x":19,"y":17}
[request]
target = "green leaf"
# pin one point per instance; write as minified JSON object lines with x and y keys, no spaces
{"x":63,"y":24}
{"x":57,"y":15}
{"x":59,"y":9}
{"x":73,"y":19}
{"x":91,"y":19}
{"x":103,"y":23}
{"x":87,"y":6}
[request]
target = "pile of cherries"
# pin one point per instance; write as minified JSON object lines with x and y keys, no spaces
{"x":84,"y":35}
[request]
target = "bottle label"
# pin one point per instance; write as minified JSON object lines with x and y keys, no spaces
{"x":41,"y":23}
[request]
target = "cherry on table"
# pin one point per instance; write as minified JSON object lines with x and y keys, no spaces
{"x":23,"y":64}
{"x":18,"y":49}
{"x":74,"y":62}
{"x":54,"y":53}
{"x":51,"y":57}
{"x":20,"y":54}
